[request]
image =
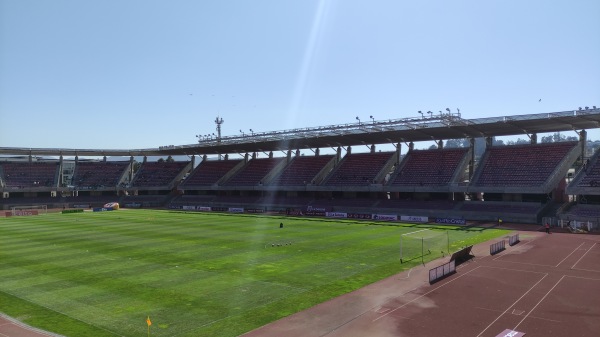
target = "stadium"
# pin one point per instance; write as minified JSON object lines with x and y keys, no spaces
{"x":365,"y":174}
{"x":272,"y":171}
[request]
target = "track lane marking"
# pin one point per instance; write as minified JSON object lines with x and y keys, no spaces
{"x":582,"y":256}
{"x":513,"y":304}
{"x":540,"y":301}
{"x":566,"y":257}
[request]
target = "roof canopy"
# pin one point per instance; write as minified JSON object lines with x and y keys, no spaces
{"x":433,"y":127}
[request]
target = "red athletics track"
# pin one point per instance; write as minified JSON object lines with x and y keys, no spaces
{"x":547,"y":285}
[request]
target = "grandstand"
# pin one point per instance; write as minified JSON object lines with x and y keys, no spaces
{"x":210,"y":173}
{"x":439,"y":167}
{"x":521,"y":183}
{"x":29,"y":175}
{"x":525,"y":165}
{"x":255,"y":172}
{"x":158,"y":174}
{"x":304,"y":170}
{"x":359,"y":169}
{"x":99,"y":175}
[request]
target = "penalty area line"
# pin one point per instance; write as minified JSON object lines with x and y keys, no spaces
{"x":422,"y":230}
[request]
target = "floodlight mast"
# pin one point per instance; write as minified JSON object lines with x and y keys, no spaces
{"x":219,"y":121}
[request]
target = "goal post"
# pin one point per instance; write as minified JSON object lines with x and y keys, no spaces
{"x":416,"y":245}
{"x":40,"y":209}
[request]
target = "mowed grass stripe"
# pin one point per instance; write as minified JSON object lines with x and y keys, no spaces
{"x":48,"y":288}
{"x":110,"y":243}
{"x":59,"y":288}
{"x":195,"y":274}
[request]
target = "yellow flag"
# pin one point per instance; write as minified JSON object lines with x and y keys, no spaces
{"x":148,"y":321}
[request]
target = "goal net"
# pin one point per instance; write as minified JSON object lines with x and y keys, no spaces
{"x":418,"y":244}
{"x":29,"y":210}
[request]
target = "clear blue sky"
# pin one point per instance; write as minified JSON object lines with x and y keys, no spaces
{"x":140,"y":74}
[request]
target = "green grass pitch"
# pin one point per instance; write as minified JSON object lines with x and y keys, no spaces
{"x":194,"y":274}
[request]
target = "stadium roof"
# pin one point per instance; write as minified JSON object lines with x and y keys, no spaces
{"x":433,"y":127}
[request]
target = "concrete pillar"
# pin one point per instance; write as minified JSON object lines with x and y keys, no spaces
{"x":534,"y":138}
{"x":472,"y":159}
{"x":583,"y":141}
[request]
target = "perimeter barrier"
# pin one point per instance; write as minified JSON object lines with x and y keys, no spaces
{"x":462,"y":255}
{"x":497,"y":247}
{"x":78,"y":210}
{"x":442,"y":271}
{"x":513,"y":240}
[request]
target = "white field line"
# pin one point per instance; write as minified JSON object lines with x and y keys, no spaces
{"x":422,"y":230}
{"x":62,"y":313}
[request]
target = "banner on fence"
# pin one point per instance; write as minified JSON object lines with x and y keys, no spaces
{"x":450,"y":221}
{"x":411,"y":218}
{"x":255,"y":210}
{"x":359,"y":216}
{"x":21,"y":213}
{"x":385,"y":217}
{"x":102,"y":209}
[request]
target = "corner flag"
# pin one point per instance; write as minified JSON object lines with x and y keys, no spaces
{"x":148,"y":321}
